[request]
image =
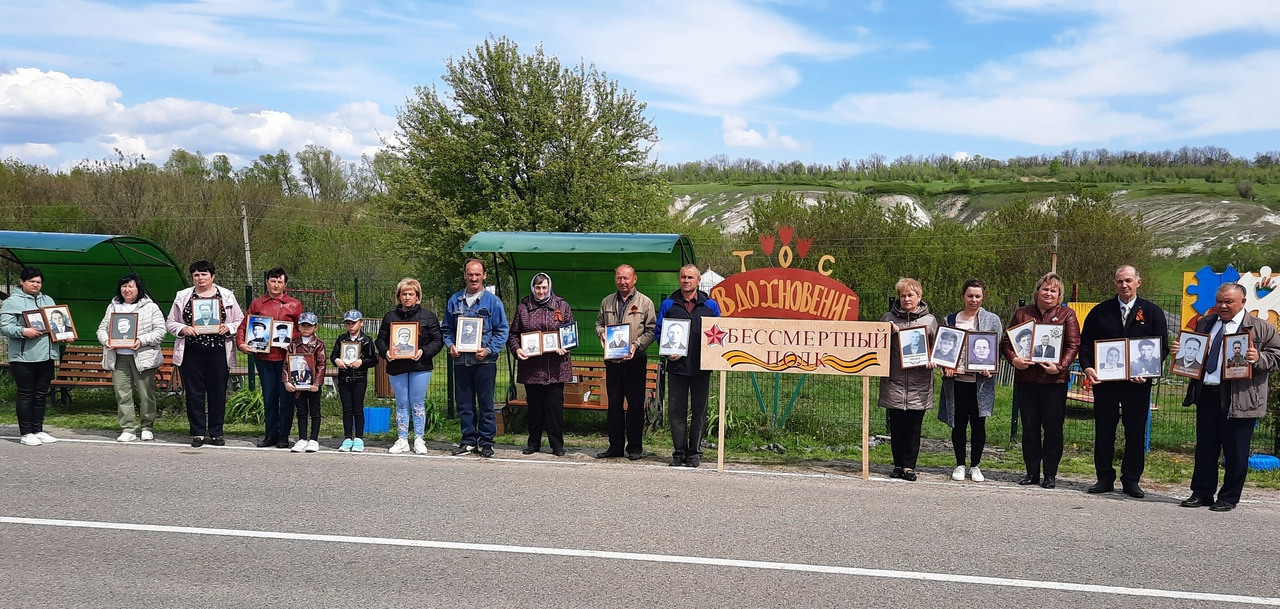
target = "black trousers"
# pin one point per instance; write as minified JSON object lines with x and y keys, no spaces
{"x":624,"y":380}
{"x":546,"y":414}
{"x":687,"y":410}
{"x":1216,"y":434}
{"x":307,"y":405}
{"x":1113,"y":403}
{"x":32,"y":379}
{"x":204,"y":375}
{"x":1044,"y":411}
{"x":966,"y":415}
{"x":351,"y":393}
{"x":904,"y":431}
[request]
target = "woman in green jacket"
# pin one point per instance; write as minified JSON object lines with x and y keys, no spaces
{"x":31,"y":356}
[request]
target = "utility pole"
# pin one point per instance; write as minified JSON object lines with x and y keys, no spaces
{"x":244,"y":224}
{"x":1053,"y":266}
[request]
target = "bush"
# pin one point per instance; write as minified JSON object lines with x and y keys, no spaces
{"x":1244,"y":188}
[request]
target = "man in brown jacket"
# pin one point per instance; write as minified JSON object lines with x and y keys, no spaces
{"x":624,"y":377}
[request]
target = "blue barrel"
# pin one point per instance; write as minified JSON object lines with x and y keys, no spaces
{"x":1263,"y":462}
{"x":377,"y":420}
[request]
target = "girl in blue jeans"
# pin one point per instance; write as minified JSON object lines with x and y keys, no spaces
{"x":410,"y":374}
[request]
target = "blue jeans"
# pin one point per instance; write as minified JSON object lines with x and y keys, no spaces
{"x":411,"y":393}
{"x":277,"y":404}
{"x":473,"y":389}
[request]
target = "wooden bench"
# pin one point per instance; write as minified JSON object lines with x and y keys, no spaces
{"x":589,"y":392}
{"x":81,"y":367}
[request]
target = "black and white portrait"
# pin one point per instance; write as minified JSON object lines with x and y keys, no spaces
{"x":469,"y":331}
{"x":1235,"y":353}
{"x":913,"y":346}
{"x":1189,"y":360}
{"x":1111,"y":359}
{"x":981,"y":347}
{"x":1144,"y":357}
{"x":282,"y":334}
{"x":1047,"y":343}
{"x":947,"y":346}
{"x":206,"y":315}
{"x":675,"y":337}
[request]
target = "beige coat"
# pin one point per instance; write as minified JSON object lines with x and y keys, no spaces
{"x":151,"y":331}
{"x":910,"y":389}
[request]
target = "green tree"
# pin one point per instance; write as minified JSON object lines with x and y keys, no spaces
{"x":520,"y":143}
{"x":323,"y":173}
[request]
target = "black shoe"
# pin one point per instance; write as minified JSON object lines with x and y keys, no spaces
{"x":1195,"y":502}
{"x":217,"y":441}
{"x":1100,"y":487}
{"x":284,"y":443}
{"x":693,"y":461}
{"x":267,"y":442}
{"x":529,"y":450}
{"x":1028,"y":480}
{"x":1049,"y":482}
{"x":197,"y":441}
{"x":486,"y":451}
{"x":559,"y":452}
{"x":1135,"y":491}
{"x":1222,"y":506}
{"x":896,"y":473}
{"x":635,"y":456}
{"x":677,"y":461}
{"x":609,"y":454}
{"x":909,"y":474}
{"x":463,"y":449}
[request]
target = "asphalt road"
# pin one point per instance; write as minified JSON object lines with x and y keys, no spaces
{"x":239,"y":527}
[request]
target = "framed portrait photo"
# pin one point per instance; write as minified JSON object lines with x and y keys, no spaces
{"x":1111,"y":359}
{"x":257,"y":335}
{"x":675,"y":337}
{"x":531,"y":343}
{"x":913,"y":346}
{"x":404,"y":340}
{"x":35,"y":319}
{"x":1189,"y":361}
{"x":122,"y":330}
{"x":980,"y":350}
{"x":550,"y":342}
{"x":1145,"y":359}
{"x":349,"y":350}
{"x":947,"y":346}
{"x":1046,"y":343}
{"x":281,"y":333}
{"x":302,"y":372}
{"x":569,"y":336}
{"x":58,"y":319}
{"x":1235,"y":349}
{"x":467,"y":339}
{"x":617,"y":341}
{"x":206,"y":315}
{"x":1021,"y":337}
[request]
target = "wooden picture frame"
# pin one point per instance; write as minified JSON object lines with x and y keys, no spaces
{"x":531,"y":343}
{"x":349,"y":348}
{"x":1046,"y":344}
{"x":206,"y":315}
{"x":617,"y":341}
{"x":1111,"y":359}
{"x":569,"y":336}
{"x":470,"y":334}
{"x":981,"y":351}
{"x":947,"y":346}
{"x":675,"y":337}
{"x":1141,"y":366}
{"x":1023,"y":330}
{"x":281,"y":333}
{"x":61,"y":328}
{"x":258,"y":343}
{"x":34,"y":318}
{"x":1189,"y":361}
{"x":913,"y":346}
{"x":122,"y":336}
{"x":403,"y":336}
{"x":550,"y":342}
{"x":1236,"y":367}
{"x":302,"y":371}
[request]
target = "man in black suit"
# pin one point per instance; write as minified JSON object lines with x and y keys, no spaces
{"x":916,"y":346}
{"x":1044,"y":349}
{"x":1125,"y":316}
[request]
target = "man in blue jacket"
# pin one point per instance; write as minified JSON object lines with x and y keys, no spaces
{"x":474,"y":373}
{"x":688,"y":384}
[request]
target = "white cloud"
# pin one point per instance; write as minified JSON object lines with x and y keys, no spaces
{"x":737,"y":135}
{"x":32,"y":93}
{"x":960,"y":155}
{"x":28,"y":151}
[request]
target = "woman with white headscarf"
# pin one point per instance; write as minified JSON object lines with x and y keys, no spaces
{"x":543,"y":375}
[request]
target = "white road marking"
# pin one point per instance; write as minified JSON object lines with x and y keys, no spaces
{"x":656,"y":558}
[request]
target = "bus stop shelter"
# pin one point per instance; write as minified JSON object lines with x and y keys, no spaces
{"x":83,"y":271}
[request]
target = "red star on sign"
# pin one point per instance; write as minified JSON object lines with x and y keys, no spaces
{"x":715,"y":336}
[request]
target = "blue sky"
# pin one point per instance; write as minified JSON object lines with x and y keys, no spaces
{"x":782,"y":80}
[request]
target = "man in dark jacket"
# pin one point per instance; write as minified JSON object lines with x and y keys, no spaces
{"x":688,"y":384}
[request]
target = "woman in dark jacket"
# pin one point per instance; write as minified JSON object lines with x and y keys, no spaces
{"x":1041,"y":388}
{"x":907,"y":393}
{"x":410,"y":376}
{"x":543,"y":375}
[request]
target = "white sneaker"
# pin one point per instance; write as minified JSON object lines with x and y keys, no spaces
{"x":46,"y":438}
{"x":975,"y":474}
{"x":313,"y":446}
{"x":401,"y":445}
{"x":30,"y":440}
{"x":419,"y":447}
{"x":147,"y":436}
{"x":126,"y":436}
{"x":958,"y":473}
{"x":299,"y":447}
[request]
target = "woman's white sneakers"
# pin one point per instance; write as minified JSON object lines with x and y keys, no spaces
{"x":401,"y":446}
{"x":30,"y":439}
{"x":126,"y":436}
{"x":45,"y":438}
{"x":300,"y":446}
{"x":958,"y":474}
{"x":975,"y":474}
